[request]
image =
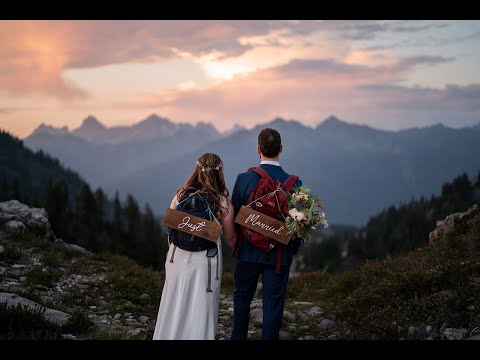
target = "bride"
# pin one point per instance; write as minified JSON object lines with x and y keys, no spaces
{"x":191,"y":292}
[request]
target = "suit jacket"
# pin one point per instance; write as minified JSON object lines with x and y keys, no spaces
{"x":241,"y":192}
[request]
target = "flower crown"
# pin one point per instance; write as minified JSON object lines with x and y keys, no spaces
{"x":208,"y":168}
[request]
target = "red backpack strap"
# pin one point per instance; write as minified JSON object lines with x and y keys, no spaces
{"x":288,"y":184}
{"x":259,"y":171}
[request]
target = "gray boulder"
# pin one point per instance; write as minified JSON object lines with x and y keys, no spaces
{"x":315,"y":311}
{"x":327,"y":324}
{"x":55,"y":316}
{"x":455,"y":334}
{"x":448,"y":225}
{"x":135,"y":332}
{"x":285,"y":335}
{"x":74,"y":247}
{"x":13,"y":212}
{"x":256,"y":315}
{"x":288,"y":316}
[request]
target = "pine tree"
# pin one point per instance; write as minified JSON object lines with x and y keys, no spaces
{"x":134,"y":230}
{"x":16,"y":194}
{"x":85,"y":219}
{"x":156,"y":243}
{"x":56,"y":202}
{"x":116,"y":229}
{"x":4,"y":190}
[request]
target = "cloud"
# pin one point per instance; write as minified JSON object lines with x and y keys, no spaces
{"x":414,"y":61}
{"x":369,"y":29}
{"x":32,"y":57}
{"x":452,"y":97}
{"x":35,"y":53}
{"x":308,"y":90}
{"x":12,"y":109}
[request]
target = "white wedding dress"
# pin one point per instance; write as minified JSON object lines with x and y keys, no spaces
{"x":187,"y":310}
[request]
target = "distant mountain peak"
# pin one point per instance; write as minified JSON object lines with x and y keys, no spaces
{"x":235,"y":128}
{"x":205,"y":125}
{"x":333,"y":121}
{"x":92,"y":123}
{"x":279,"y":122}
{"x":154,"y":118}
{"x":89,"y":129}
{"x":51,"y":130}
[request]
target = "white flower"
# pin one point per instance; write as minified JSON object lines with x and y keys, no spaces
{"x":300,"y":216}
{"x":295,"y":214}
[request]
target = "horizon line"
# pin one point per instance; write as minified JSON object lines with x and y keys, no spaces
{"x":247,"y":128}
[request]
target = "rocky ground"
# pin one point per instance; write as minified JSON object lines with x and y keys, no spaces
{"x":121,"y":299}
{"x":302,"y":320}
{"x":63,"y":278}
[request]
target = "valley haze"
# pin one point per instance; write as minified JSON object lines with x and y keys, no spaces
{"x":355,"y":169}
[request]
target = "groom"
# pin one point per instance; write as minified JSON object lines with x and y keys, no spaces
{"x":252,"y":261}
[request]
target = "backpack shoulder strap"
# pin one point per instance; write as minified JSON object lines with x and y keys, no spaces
{"x":288,"y":184}
{"x":259,"y":171}
{"x":183,"y":197}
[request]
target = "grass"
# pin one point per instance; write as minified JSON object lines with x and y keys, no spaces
{"x":432,"y":286}
{"x":78,"y":323}
{"x":405,"y":291}
{"x":36,"y":276}
{"x":52,"y":258}
{"x":12,"y":252}
{"x":22,"y":323}
{"x":109,"y":334}
{"x":128,"y":281}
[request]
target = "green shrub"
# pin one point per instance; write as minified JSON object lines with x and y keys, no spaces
{"x":38,"y":277}
{"x":78,"y":323}
{"x":12,"y":252}
{"x":52,"y":259}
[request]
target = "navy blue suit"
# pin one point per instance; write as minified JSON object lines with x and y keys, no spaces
{"x":252,"y":262}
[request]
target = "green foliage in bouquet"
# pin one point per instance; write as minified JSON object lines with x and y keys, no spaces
{"x":304,"y":213}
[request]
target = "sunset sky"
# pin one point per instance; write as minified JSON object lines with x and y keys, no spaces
{"x":387,"y":74}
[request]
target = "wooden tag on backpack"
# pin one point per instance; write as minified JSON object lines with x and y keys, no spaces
{"x":193,"y":225}
{"x":263,"y":224}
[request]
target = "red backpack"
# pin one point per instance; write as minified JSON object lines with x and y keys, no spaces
{"x":275,"y":206}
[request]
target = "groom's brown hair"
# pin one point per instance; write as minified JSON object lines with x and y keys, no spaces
{"x":270,"y":142}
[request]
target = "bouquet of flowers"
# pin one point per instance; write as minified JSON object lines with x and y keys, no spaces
{"x":304,"y":213}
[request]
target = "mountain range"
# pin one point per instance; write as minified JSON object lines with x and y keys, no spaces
{"x":356,"y":170}
{"x":103,"y":155}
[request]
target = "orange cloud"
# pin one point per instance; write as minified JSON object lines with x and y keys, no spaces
{"x":32,"y":58}
{"x":303,"y":89}
{"x":35,"y":53}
